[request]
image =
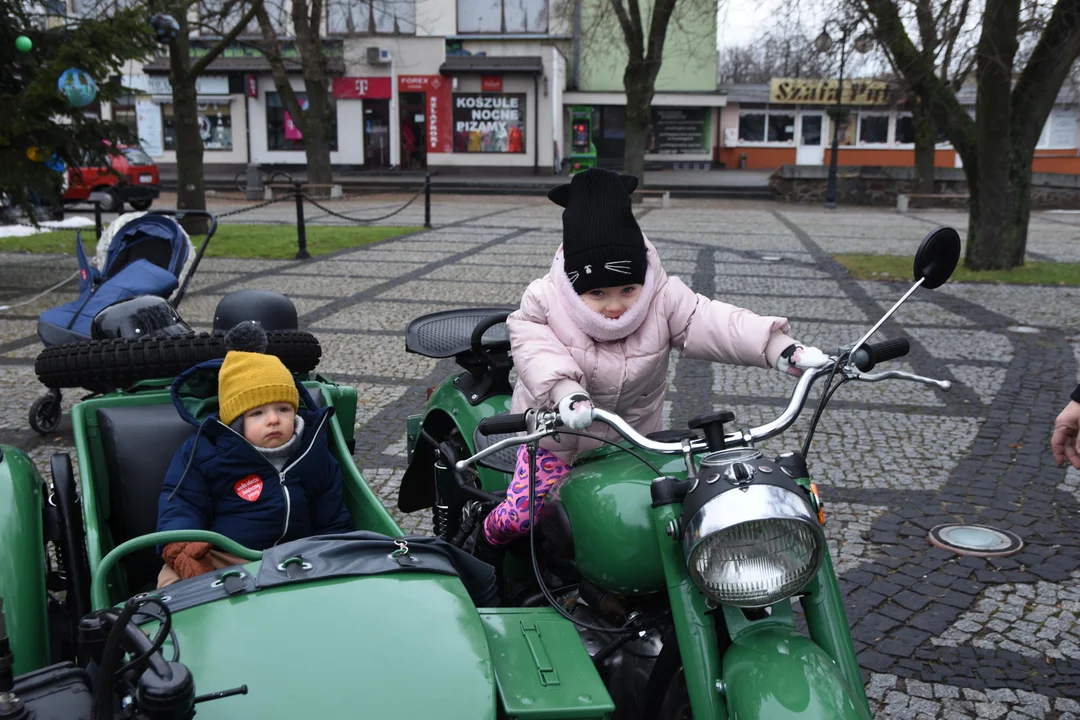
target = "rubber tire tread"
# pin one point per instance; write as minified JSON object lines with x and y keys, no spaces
{"x":118,"y":363}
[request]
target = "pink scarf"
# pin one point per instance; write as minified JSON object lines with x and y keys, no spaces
{"x":592,"y":323}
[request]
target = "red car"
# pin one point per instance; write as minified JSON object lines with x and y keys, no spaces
{"x":132,"y":179}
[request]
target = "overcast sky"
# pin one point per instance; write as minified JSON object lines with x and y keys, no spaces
{"x":739,"y":21}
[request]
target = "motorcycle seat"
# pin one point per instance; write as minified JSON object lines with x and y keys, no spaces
{"x":449,"y":333}
{"x":503,"y":461}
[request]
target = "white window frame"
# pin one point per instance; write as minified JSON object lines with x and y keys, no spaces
{"x":826,"y":138}
{"x":768,"y":143}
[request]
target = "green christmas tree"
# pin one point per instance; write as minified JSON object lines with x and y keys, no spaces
{"x":36,"y":120}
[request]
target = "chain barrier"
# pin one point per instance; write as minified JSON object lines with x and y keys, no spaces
{"x":252,"y":207}
{"x":328,"y":211}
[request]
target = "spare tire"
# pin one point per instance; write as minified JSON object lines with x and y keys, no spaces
{"x":119,"y":362}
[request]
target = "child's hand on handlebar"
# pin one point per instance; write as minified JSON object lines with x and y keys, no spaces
{"x":797,"y":358}
{"x":576,"y":411}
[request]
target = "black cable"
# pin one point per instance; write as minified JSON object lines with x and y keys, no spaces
{"x":102,"y":705}
{"x":612,"y":442}
{"x":826,"y":394}
{"x":536,"y":565}
{"x":165,"y":629}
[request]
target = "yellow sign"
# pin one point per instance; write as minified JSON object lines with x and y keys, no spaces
{"x":805,"y":91}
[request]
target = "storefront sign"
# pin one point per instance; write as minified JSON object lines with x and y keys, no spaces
{"x":437,"y":104}
{"x":252,"y":84}
{"x":491,"y":83}
{"x":489,"y":123}
{"x":204,"y":85}
{"x":804,"y":91}
{"x":148,"y":123}
{"x":678,"y":131}
{"x":362,"y":88}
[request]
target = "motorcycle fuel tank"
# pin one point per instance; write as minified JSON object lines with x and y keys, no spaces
{"x":607,"y":500}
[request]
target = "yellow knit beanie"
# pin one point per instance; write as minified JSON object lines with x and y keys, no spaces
{"x":248,"y":380}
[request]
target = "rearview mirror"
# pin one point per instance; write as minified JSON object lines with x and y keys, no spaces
{"x":937,"y":256}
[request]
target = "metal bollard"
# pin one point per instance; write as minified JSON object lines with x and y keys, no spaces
{"x":301,"y":231}
{"x":97,"y":218}
{"x":427,"y":200}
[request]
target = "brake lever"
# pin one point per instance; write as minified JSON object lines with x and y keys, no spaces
{"x":541,"y":424}
{"x":944,"y":385}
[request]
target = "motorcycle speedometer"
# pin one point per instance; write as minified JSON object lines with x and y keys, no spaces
{"x":749,"y":533}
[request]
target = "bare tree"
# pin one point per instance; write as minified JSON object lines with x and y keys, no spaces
{"x":1015,"y":92}
{"x":773,"y":56}
{"x":183,"y":72}
{"x":641,"y":30}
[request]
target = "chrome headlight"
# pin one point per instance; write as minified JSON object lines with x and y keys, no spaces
{"x":751,"y":538}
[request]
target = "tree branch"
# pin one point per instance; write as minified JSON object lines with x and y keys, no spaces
{"x":627,"y":26}
{"x":273,"y":53}
{"x":202,"y":63}
{"x":661,"y":16}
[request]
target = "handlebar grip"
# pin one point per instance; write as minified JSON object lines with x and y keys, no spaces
{"x":502,"y":424}
{"x":870,"y":355}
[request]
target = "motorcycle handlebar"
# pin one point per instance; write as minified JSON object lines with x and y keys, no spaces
{"x":865,"y":358}
{"x":503,"y":424}
{"x":868,"y":356}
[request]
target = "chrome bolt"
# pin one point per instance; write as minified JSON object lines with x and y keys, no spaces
{"x":721,"y":689}
{"x":673,"y":528}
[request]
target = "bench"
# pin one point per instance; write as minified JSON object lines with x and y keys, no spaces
{"x":336,"y":192}
{"x":664,"y":195}
{"x":903,"y":199}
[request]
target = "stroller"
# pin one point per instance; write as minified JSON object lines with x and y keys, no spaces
{"x":140,"y":254}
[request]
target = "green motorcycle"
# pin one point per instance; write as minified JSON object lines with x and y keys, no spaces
{"x":677,"y":556}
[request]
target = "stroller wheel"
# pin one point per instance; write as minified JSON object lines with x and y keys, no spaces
{"x":45,"y":413}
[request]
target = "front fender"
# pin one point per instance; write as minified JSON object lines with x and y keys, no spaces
{"x":778,"y":674}
{"x":447,"y":409}
{"x":22,"y":571}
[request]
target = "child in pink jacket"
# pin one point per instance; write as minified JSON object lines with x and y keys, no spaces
{"x":598,"y":329}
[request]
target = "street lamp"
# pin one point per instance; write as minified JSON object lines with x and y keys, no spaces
{"x":823,"y":43}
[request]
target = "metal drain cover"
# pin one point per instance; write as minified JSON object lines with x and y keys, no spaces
{"x":1024,"y":329}
{"x":975,"y":540}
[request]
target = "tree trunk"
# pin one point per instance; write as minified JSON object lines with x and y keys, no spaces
{"x":989,"y":237}
{"x":925,"y":147}
{"x":190,"y":184}
{"x":639,"y":81}
{"x":317,"y":141}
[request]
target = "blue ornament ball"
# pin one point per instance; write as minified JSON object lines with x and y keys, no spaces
{"x":165,"y":28}
{"x":78,"y":87}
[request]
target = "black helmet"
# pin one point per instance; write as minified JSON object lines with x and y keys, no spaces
{"x":272,"y":310}
{"x":139,"y":317}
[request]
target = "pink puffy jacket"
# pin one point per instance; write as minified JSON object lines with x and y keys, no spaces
{"x":560,"y":346}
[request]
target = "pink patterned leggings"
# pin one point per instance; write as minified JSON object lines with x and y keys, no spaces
{"x":511,"y":518}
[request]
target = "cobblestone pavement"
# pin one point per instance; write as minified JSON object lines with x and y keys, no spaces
{"x":938,"y":636}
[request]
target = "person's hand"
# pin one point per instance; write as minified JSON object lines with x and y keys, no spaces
{"x":797,"y":358}
{"x":576,"y":411}
{"x":1066,"y":443}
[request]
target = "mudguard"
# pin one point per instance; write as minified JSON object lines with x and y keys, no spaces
{"x":22,"y":572}
{"x":447,"y":409}
{"x":777,"y":674}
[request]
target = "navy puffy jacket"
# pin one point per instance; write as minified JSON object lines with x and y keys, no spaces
{"x":232,"y":489}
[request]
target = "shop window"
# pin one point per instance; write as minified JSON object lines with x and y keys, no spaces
{"x":364,"y":17}
{"x":215,"y":125}
{"x":905,"y":130}
{"x":614,"y":123}
{"x":752,"y":127}
{"x":781,"y":128}
{"x":758,"y":127}
{"x":1059,"y":132}
{"x":873,"y":129}
{"x":282,"y":133}
{"x":489,"y":123}
{"x":502,"y":16}
{"x":123,"y":112}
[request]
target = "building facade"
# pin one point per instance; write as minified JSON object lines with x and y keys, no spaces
{"x":787,"y":122}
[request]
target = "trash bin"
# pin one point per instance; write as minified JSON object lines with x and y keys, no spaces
{"x":742,"y":161}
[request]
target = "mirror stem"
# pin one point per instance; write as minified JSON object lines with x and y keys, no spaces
{"x":879,"y":323}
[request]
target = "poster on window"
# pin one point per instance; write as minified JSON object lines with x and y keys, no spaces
{"x":489,"y":123}
{"x":678,"y":131}
{"x":215,"y":126}
{"x":148,"y":122}
{"x":291,"y":131}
